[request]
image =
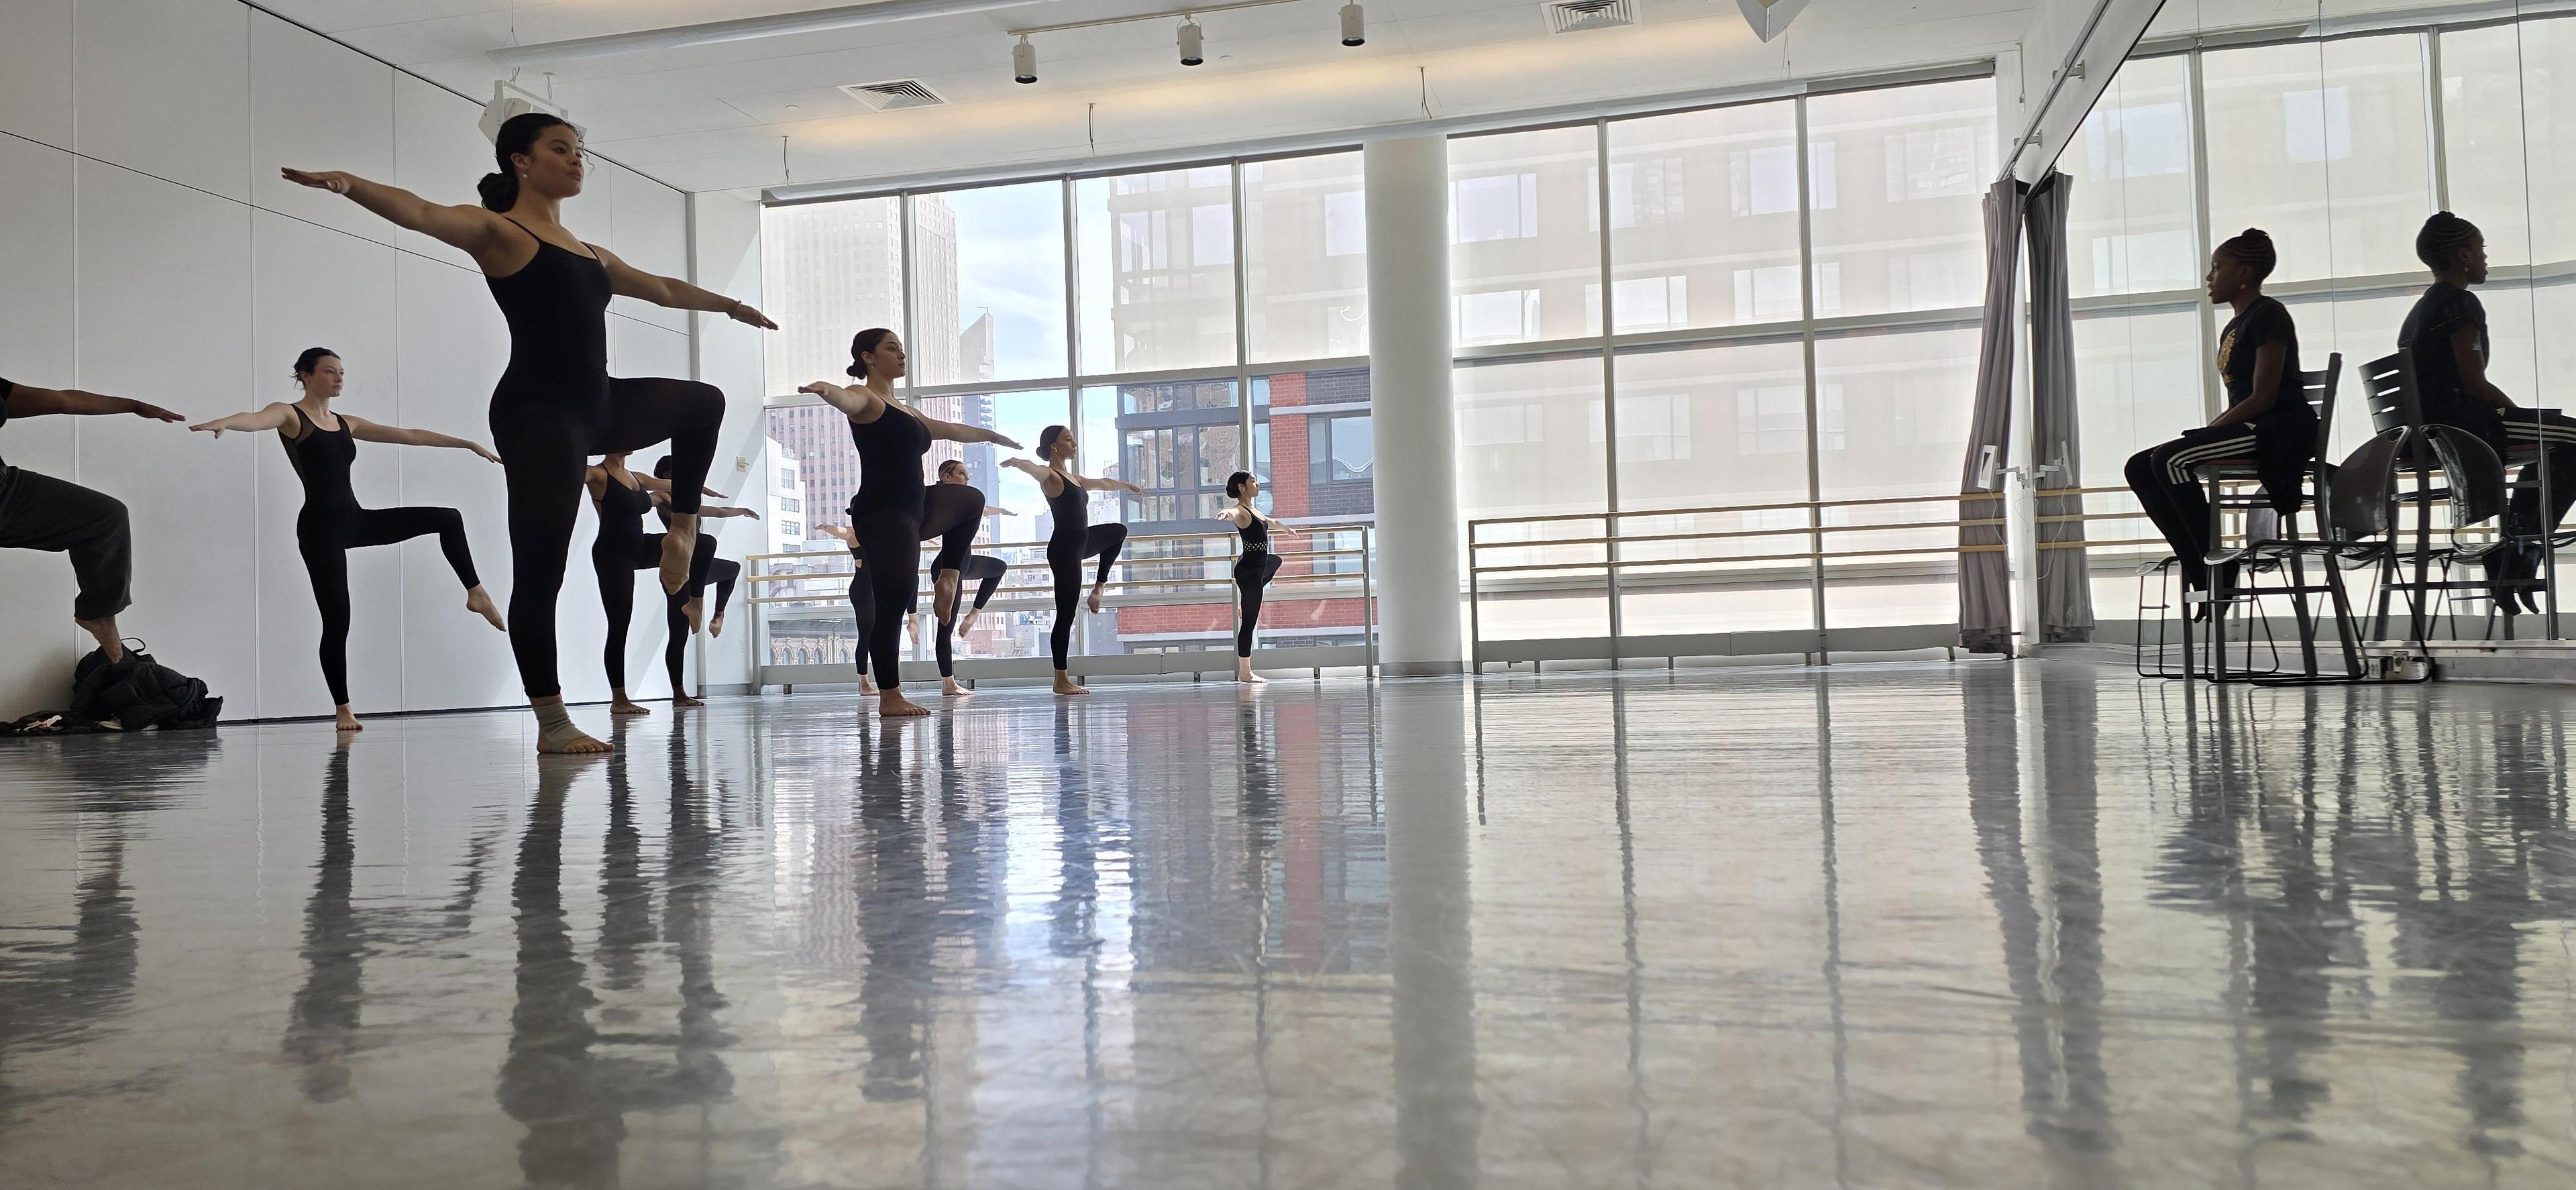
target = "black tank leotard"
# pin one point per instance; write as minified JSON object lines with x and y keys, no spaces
{"x":555,"y":407}
{"x":332,"y":523}
{"x":1252,"y":572}
{"x":1073,"y":539}
{"x":621,"y":549}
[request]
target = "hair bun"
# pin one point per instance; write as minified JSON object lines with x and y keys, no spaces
{"x":2256,"y":233}
{"x":855,"y":370}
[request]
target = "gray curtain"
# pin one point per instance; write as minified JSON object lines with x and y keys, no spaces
{"x":1985,"y":576}
{"x":2065,"y":587}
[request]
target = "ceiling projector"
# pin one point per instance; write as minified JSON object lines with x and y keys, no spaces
{"x":510,"y":99}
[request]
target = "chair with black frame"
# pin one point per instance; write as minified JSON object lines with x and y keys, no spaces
{"x":2234,"y":573}
{"x":2470,"y":480}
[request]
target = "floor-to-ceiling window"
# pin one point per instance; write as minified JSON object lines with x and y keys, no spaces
{"x":1742,"y":321}
{"x":2338,"y":147}
{"x":1184,"y":323}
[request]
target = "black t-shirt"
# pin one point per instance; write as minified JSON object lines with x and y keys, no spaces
{"x":2437,"y":316}
{"x":2265,"y":322}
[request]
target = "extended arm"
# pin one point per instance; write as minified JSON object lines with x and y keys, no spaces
{"x":2269,"y":361}
{"x":27,"y":400}
{"x":367,"y":431}
{"x":628,"y":281}
{"x":1106,"y":484}
{"x":473,"y":229}
{"x":840,"y":532}
{"x":2473,"y":368}
{"x":989,"y":510}
{"x":721,"y":511}
{"x":956,"y":432}
{"x":272,"y":417}
{"x":859,"y":403}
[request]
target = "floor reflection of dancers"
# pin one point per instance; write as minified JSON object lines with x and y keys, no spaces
{"x":898,"y":920}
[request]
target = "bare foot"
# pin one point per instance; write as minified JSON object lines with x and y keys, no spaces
{"x":695,"y":610}
{"x":479,"y":602}
{"x":715,"y":627}
{"x":571,"y":744}
{"x":1064,"y":684}
{"x":347,"y":720}
{"x":684,"y":701}
{"x":891,"y":704}
{"x":1095,"y":599}
{"x":625,"y":706}
{"x":103,"y":630}
{"x":949,"y":687}
{"x":1243,"y":673}
{"x":966,"y":619}
{"x":679,"y":544}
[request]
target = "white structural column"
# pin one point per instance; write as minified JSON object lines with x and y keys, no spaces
{"x":1411,"y":410}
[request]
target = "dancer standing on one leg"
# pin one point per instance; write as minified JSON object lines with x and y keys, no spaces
{"x":1253,"y":570}
{"x":681,"y":612}
{"x":983,"y":570}
{"x":331,"y":523}
{"x":556,"y":405}
{"x":1074,"y":538}
{"x":892,"y":513}
{"x":623,"y":547}
{"x":40,"y":512}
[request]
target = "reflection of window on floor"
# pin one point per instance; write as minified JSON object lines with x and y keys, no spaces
{"x":1341,"y":448}
{"x":1500,"y":207}
{"x":1498,"y":316}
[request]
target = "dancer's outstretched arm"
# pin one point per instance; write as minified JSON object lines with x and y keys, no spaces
{"x":367,"y":431}
{"x":628,"y":281}
{"x":273,"y":416}
{"x":951,"y":431}
{"x":481,"y":233}
{"x":27,"y":400}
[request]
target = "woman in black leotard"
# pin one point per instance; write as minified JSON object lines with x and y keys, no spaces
{"x":623,"y":547}
{"x":1253,"y":570}
{"x":681,"y":611}
{"x":983,"y":570}
{"x":894,"y":512}
{"x":332,"y":523}
{"x":556,"y":405}
{"x":1074,"y":538}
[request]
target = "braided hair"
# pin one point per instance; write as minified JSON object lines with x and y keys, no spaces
{"x":2252,"y":248}
{"x":2444,"y":237}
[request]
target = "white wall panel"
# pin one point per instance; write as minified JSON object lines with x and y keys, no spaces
{"x":163,"y":86}
{"x":726,"y":258}
{"x":453,"y":347}
{"x":438,"y":155}
{"x":36,"y":70}
{"x":164,"y":308}
{"x":316,"y":287}
{"x":36,"y":347}
{"x":317,"y":104}
{"x":651,"y":233}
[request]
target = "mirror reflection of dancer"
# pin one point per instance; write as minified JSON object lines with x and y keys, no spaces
{"x":722,"y":574}
{"x":622,"y":548}
{"x":556,"y":405}
{"x":893,"y":512}
{"x":1253,"y":570}
{"x":983,"y":570}
{"x":40,"y":512}
{"x":322,"y":445}
{"x":1074,"y":538}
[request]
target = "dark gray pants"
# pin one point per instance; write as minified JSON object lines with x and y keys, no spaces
{"x":40,"y":512}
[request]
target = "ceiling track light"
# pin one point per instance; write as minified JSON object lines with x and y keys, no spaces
{"x":1193,"y":43}
{"x":1193,"y":39}
{"x":1024,"y":62}
{"x":1354,"y":25}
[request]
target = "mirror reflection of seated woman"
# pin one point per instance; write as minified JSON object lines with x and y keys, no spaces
{"x":2446,"y":334}
{"x":2267,"y":417}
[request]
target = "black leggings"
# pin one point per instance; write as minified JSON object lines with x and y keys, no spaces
{"x":325,"y":536}
{"x":883,"y":591}
{"x":1252,"y":572}
{"x":40,"y":512}
{"x":985,"y":571}
{"x":1064,"y":559}
{"x":545,"y":446}
{"x":616,"y":570}
{"x":722,"y":573}
{"x":2161,"y":477}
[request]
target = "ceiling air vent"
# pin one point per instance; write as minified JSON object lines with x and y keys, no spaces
{"x":1574,"y":16}
{"x":893,"y":96}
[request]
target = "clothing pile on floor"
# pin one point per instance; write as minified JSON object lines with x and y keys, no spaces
{"x":129,"y":694}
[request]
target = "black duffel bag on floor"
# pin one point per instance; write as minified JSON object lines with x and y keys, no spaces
{"x":139,"y":692}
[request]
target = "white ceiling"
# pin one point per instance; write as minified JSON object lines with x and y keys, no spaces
{"x":711,"y":118}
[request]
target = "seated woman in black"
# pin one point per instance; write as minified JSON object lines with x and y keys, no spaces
{"x":2267,"y":417}
{"x":2446,"y":333}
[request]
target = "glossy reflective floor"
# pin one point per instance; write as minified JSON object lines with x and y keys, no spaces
{"x":1976,"y":926}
